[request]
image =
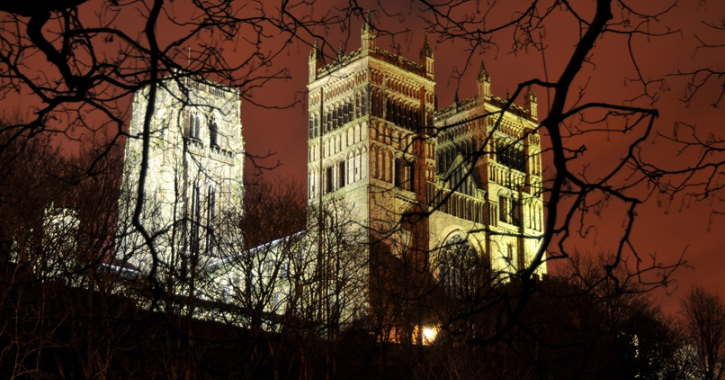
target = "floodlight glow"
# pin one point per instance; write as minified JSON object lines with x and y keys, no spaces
{"x":429,"y":333}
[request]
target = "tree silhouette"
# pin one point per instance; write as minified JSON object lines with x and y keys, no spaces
{"x":74,"y":65}
{"x":704,"y":323}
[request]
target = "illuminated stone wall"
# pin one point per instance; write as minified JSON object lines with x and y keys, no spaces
{"x":195,"y":169}
{"x":469,"y":173}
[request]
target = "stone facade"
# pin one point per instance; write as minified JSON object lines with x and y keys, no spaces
{"x":487,"y":187}
{"x":436,"y":191}
{"x":196,"y":157}
{"x":416,"y":202}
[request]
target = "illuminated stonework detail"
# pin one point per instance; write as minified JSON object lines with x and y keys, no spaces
{"x":195,"y":168}
{"x":412,"y":175}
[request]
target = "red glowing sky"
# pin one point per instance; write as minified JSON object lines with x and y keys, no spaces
{"x":665,"y":229}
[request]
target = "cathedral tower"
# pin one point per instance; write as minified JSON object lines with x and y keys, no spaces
{"x":446,"y":201}
{"x":488,"y":183}
{"x":195,"y":167}
{"x":370,"y":113}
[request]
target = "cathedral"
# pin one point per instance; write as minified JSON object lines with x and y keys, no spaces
{"x":438,"y":201}
{"x":440,"y":190}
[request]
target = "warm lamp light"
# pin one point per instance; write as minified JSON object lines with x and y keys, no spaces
{"x":429,"y":334}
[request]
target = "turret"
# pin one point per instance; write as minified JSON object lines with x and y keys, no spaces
{"x":368,"y":35}
{"x":530,"y":103}
{"x":315,"y":61}
{"x":340,"y":53}
{"x":484,"y":83}
{"x":426,"y":58}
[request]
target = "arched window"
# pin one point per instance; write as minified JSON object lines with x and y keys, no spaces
{"x":358,"y":105}
{"x":211,"y":216}
{"x":509,"y":210}
{"x":511,"y":155}
{"x":192,"y":126}
{"x":195,"y":218}
{"x":503,"y":208}
{"x":334,"y":118}
{"x":317,"y":126}
{"x":398,"y":172}
{"x":364,"y":103}
{"x":342,"y":174}
{"x":213,"y":134}
{"x":460,"y":272}
{"x":328,"y":179}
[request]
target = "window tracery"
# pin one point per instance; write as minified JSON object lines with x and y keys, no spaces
{"x":460,"y":271}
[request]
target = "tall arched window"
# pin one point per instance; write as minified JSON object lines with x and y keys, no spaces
{"x":398,"y":172}
{"x":192,"y":125}
{"x":316,"y":131}
{"x":358,"y":104}
{"x":328,"y":180}
{"x":342,"y":174}
{"x":211,"y":216}
{"x":503,"y":208}
{"x":195,"y":219}
{"x":213,"y":134}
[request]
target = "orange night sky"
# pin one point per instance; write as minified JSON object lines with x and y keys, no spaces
{"x":665,"y":229}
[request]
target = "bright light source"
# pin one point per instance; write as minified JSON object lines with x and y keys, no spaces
{"x":429,"y":334}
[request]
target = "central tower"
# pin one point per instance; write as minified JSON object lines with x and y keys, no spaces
{"x":448,"y":202}
{"x":369,"y":151}
{"x":370,"y":113}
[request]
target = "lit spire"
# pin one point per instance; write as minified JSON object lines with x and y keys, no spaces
{"x":426,"y":51}
{"x":483,"y":74}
